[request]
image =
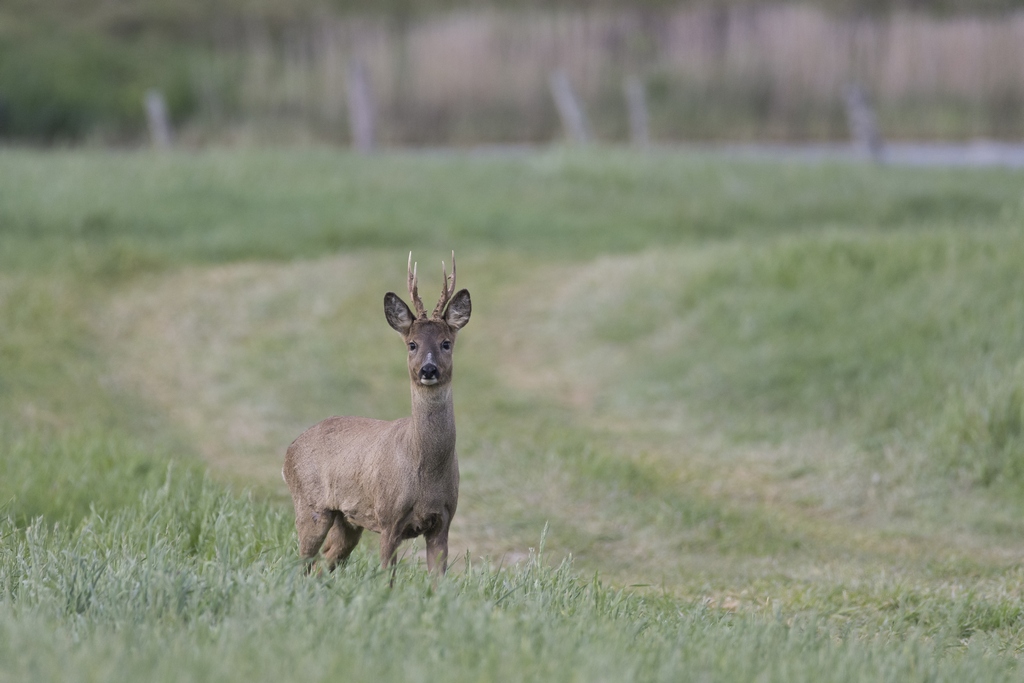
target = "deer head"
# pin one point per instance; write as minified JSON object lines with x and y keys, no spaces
{"x":430,"y":341}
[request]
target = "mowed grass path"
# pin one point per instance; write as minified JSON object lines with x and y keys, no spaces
{"x":782,"y":391}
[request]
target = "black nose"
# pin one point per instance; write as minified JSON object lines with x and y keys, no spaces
{"x":428,"y":371}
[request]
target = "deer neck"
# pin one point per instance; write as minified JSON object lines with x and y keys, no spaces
{"x":433,"y":426}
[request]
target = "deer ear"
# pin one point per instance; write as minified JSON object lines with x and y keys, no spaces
{"x":459,"y":308}
{"x":397,"y":312}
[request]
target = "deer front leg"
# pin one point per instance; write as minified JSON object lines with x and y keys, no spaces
{"x":437,"y":542}
{"x":437,"y":552}
{"x":389,"y":541}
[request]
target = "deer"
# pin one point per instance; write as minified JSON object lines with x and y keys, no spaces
{"x":397,"y":478}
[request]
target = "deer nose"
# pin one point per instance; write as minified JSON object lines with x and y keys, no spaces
{"x":428,"y":371}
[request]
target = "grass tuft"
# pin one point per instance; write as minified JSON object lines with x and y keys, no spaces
{"x":982,"y":434}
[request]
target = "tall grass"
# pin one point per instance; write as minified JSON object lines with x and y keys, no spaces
{"x":983,"y":428}
{"x":190,"y":582}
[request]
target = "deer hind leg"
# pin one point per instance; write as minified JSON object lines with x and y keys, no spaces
{"x":312,"y":526}
{"x":342,"y":538}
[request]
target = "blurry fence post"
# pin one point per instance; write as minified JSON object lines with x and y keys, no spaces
{"x":158,"y":120}
{"x":569,"y":110}
{"x":360,"y":106}
{"x":636,"y":105}
{"x":863,"y":124}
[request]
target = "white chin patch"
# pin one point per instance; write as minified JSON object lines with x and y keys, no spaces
{"x":428,"y":382}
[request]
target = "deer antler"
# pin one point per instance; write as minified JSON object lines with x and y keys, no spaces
{"x":414,"y":291}
{"x":447,"y":289}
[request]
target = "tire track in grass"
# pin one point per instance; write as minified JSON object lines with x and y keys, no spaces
{"x":242,"y":357}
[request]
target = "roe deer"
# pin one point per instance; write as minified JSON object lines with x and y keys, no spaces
{"x":398,"y":478}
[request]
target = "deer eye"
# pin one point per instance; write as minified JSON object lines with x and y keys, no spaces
{"x":446,"y":345}
{"x":412,"y":346}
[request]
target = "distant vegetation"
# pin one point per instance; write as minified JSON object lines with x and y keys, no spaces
{"x":449,"y":72}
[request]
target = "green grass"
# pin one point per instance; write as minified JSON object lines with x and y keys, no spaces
{"x":191,"y":582}
{"x":766,"y":417}
{"x":110,"y":213}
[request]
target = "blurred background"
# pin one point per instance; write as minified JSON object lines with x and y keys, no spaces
{"x":445,"y":72}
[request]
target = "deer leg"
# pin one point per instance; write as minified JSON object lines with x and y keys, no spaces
{"x":312,"y":526}
{"x":342,"y":539}
{"x":389,"y":541}
{"x":437,"y":552}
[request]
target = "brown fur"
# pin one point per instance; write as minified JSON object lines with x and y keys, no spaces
{"x":399,"y":478}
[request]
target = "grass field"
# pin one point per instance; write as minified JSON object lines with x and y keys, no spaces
{"x":718,"y":420}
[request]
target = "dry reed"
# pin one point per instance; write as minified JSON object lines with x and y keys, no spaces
{"x":765,"y":72}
